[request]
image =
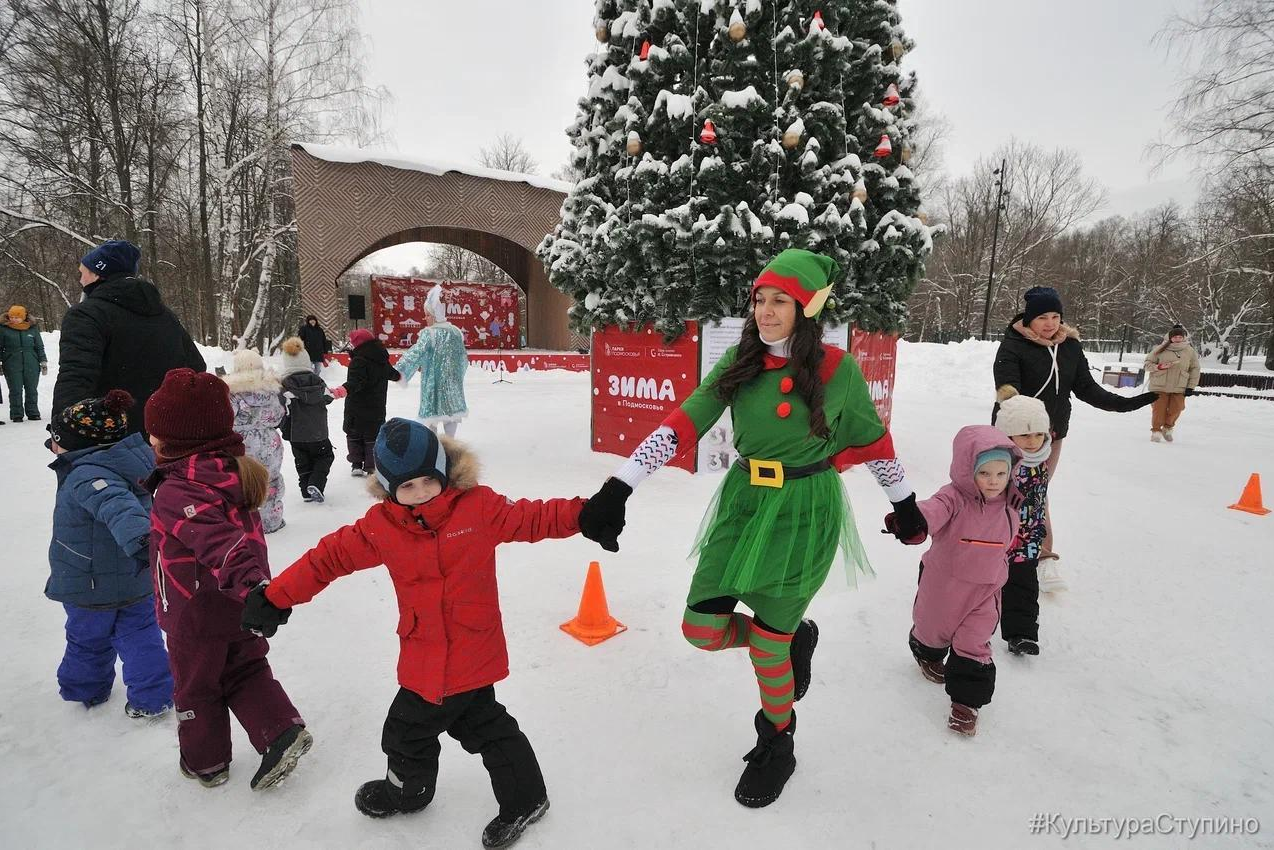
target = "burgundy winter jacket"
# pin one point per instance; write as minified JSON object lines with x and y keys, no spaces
{"x":441,"y":558}
{"x":208,"y":549}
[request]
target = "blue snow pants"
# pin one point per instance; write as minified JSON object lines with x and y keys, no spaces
{"x":94,"y":639}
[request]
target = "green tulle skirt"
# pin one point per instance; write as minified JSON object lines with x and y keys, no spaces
{"x":776,"y":543}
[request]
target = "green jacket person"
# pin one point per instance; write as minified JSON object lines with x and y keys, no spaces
{"x":802,"y":413}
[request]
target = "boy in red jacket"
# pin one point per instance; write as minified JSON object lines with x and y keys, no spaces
{"x":436,"y":530}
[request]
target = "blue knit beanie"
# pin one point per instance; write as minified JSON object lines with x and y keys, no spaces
{"x":112,"y":257}
{"x":1040,"y":300}
{"x":983,"y":458}
{"x":407,"y":450}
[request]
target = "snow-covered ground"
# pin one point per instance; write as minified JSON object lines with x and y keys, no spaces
{"x":1151,"y":696}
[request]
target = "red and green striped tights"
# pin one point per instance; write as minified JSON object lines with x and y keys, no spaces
{"x":771,"y":654}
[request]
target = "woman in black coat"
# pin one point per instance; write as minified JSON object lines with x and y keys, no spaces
{"x":316,"y":342}
{"x":1041,"y":356}
{"x":366,"y":386}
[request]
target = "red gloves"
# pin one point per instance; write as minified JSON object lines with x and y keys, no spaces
{"x":339,"y":392}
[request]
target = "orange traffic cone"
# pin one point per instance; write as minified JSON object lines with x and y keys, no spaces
{"x":593,"y":624}
{"x":1250,"y":501}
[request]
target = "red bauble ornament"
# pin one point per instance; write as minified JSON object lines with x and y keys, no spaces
{"x":885,"y":148}
{"x":709,"y":133}
{"x":785,"y":385}
{"x":645,"y":51}
{"x":784,"y":410}
{"x":818,"y":21}
{"x":891,"y":95}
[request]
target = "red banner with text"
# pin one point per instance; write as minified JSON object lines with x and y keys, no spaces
{"x":876,"y":354}
{"x":637,"y":381}
{"x":486,"y":313}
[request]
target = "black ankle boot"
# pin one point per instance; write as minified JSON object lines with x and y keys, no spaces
{"x":502,"y":833}
{"x":770,"y":764}
{"x":803,"y":643}
{"x":380,"y":798}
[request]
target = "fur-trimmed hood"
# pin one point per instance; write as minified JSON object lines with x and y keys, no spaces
{"x":1064,"y":332}
{"x":263,"y":380}
{"x":463,"y":469}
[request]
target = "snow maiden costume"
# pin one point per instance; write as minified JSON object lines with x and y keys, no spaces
{"x":772,"y":531}
{"x":440,"y":356}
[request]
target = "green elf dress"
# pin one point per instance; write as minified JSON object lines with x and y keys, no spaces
{"x":772,"y":531}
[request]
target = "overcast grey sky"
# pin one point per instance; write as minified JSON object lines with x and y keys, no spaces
{"x":1081,"y":74}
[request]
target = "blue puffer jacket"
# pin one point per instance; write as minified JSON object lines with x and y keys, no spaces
{"x":100,"y":554}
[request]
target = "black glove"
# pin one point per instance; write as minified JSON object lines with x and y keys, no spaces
{"x":1142,"y":400}
{"x":891,"y":527}
{"x":909,"y":524}
{"x":260,"y":614}
{"x":602,"y":519}
{"x":1189,"y":391}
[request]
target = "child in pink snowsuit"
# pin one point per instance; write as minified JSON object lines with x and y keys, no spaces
{"x":973,"y":522}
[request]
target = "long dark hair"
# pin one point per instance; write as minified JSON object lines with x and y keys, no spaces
{"x":806,"y":359}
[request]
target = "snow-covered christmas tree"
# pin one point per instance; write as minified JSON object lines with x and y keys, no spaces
{"x":716,"y":133}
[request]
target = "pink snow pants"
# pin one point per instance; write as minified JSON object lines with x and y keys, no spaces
{"x":949,"y":612}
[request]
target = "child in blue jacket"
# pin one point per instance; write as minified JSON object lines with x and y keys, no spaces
{"x":100,"y":558}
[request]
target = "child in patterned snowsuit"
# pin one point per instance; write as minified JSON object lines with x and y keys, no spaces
{"x":209,"y":552}
{"x":258,"y":411}
{"x":1025,"y":420}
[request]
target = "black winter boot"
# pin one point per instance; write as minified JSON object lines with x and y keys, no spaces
{"x":502,"y":833}
{"x":380,"y":798}
{"x":770,"y":764}
{"x":803,"y":643}
{"x":280,"y":758}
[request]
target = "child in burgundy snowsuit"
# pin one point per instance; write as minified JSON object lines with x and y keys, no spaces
{"x":436,"y":530}
{"x":973,"y":522}
{"x":208,"y":550}
{"x":1025,"y":421}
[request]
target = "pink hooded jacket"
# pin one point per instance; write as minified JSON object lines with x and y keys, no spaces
{"x":971,"y":535}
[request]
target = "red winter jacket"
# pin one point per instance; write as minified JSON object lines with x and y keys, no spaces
{"x":206,"y":547}
{"x":441,"y":558}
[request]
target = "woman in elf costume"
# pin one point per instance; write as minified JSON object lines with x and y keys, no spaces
{"x":802,"y":412}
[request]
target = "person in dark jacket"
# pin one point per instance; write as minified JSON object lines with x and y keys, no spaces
{"x":120,"y":336}
{"x":1041,"y":356}
{"x":22,"y":353}
{"x":315,"y":340}
{"x":99,"y":559}
{"x":307,"y":399}
{"x":366,"y":387}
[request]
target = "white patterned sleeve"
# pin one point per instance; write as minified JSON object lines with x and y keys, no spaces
{"x":655,"y":451}
{"x":892,"y":478}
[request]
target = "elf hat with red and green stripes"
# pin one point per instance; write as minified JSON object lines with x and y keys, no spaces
{"x":804,"y":275}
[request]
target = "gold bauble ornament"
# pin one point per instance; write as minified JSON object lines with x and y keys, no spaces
{"x":860,"y":192}
{"x":602,"y":32}
{"x":906,"y":154}
{"x":923,"y":217}
{"x":795,"y":79}
{"x":634,"y":144}
{"x":791,"y":139}
{"x":897,"y":48}
{"x":737,"y":31}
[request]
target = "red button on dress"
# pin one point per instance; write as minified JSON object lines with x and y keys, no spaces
{"x":785,"y":385}
{"x":784,"y":410}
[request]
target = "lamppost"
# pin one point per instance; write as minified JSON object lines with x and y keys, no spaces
{"x":1001,"y":174}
